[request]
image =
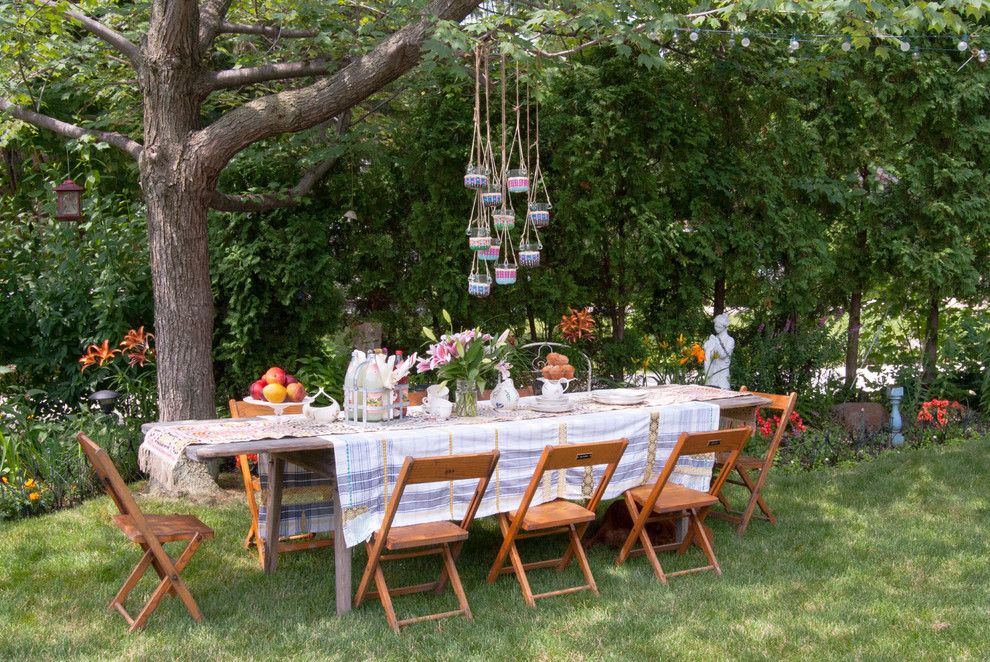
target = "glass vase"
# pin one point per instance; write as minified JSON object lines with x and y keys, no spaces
{"x":466,"y":398}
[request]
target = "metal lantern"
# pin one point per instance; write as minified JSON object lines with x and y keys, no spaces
{"x":68,"y":201}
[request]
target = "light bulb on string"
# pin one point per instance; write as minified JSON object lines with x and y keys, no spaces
{"x":982,"y":56}
{"x":694,"y":35}
{"x":847,"y":45}
{"x":745,"y":41}
{"x":794,"y":44}
{"x":732,"y":41}
{"x":916,"y":54}
{"x":963,"y":43}
{"x":905,"y":46}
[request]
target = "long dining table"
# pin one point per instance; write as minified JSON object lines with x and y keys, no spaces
{"x":359,"y":497}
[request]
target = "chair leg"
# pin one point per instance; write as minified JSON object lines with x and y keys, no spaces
{"x":697,"y":523}
{"x":385,"y":598}
{"x":582,"y":559}
{"x":450,"y":570}
{"x":132,"y":580}
{"x":167,"y":583}
{"x":509,"y":549}
{"x":367,"y":576}
{"x":756,"y":498}
{"x":644,"y":540}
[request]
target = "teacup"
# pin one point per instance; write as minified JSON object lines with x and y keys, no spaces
{"x":438,"y":407}
{"x":437,"y":391}
{"x":553,"y":389}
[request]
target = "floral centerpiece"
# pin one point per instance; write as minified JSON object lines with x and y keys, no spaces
{"x":469,"y":358}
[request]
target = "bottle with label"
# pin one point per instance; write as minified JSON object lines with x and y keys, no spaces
{"x":374,"y":386}
{"x":350,"y":380}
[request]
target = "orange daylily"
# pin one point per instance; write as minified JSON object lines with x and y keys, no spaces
{"x":579,"y":324}
{"x":138,"y":338}
{"x":97,"y":353}
{"x":138,"y":357}
{"x":29,"y":483}
{"x":34,"y":496}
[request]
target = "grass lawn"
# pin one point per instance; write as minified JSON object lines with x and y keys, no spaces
{"x":885,"y":559}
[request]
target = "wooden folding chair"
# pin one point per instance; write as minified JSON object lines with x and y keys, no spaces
{"x":443,"y":538}
{"x":746,"y":465}
{"x":252,"y":488}
{"x":555,"y":517}
{"x":149,"y":532}
{"x":664,"y":500}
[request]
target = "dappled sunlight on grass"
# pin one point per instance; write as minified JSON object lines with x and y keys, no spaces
{"x":883,"y":559}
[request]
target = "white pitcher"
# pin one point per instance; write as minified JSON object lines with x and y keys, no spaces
{"x":504,"y":395}
{"x":553,"y":389}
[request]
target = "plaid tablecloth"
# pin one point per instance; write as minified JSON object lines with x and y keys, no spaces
{"x":368,"y":464}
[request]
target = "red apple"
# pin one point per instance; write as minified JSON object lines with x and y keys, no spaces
{"x":275,"y":375}
{"x":290,"y":379}
{"x":296,"y":392}
{"x":257,"y":389}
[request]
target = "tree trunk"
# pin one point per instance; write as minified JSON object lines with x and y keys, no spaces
{"x":176,"y":190}
{"x":930,"y":358}
{"x":531,"y":318}
{"x":852,"y":338}
{"x":718,"y":304}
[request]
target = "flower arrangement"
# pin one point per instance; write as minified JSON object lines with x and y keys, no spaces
{"x":939,"y":413}
{"x":469,"y":358}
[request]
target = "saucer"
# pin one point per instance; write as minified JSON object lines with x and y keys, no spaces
{"x":551,"y":406}
{"x":619,"y":396}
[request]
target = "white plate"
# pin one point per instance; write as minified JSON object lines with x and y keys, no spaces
{"x":551,"y":406}
{"x":619,"y":396}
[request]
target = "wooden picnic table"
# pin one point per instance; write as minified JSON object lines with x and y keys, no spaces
{"x":316,"y":454}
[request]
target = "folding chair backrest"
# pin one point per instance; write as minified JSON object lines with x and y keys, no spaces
{"x":447,"y":467}
{"x":441,"y":468}
{"x":115,"y":487}
{"x":555,"y":458}
{"x":729,"y":441}
{"x":784,"y":404}
{"x":241,"y":409}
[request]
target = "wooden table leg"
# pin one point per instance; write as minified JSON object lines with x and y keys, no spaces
{"x":276,"y":471}
{"x":341,"y":556}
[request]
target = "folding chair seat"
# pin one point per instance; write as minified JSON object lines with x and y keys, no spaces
{"x":746,"y":465}
{"x":444,"y":538}
{"x":308,"y":518}
{"x":149,"y":532}
{"x":555,"y":517}
{"x":665,"y":500}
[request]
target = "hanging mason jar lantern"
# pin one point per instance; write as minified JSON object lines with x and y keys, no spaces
{"x":479,"y":238}
{"x":492,"y":196}
{"x":505,"y":275}
{"x":529,"y":254}
{"x":68,"y":201}
{"x":491,"y":253}
{"x":518,"y":180}
{"x":476,"y":178}
{"x":539,"y":214}
{"x":504,"y":218}
{"x":479,"y":285}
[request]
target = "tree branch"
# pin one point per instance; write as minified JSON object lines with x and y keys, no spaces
{"x":272,"y":31}
{"x":211,"y":15}
{"x":118,"y":140}
{"x":297,"y":109}
{"x":215,"y":80}
{"x":110,"y":36}
{"x":254,"y":202}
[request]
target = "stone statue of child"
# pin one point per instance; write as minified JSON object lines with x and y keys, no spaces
{"x":718,"y":354}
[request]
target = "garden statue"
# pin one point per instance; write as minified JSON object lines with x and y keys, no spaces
{"x":718,"y":353}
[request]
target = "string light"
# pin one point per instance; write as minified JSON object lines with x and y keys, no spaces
{"x":694,"y":35}
{"x":732,"y":41}
{"x":963,"y":43}
{"x":794,"y":44}
{"x":745,"y":42}
{"x":982,"y":56}
{"x":847,"y":44}
{"x":916,"y":54}
{"x":905,"y":46}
